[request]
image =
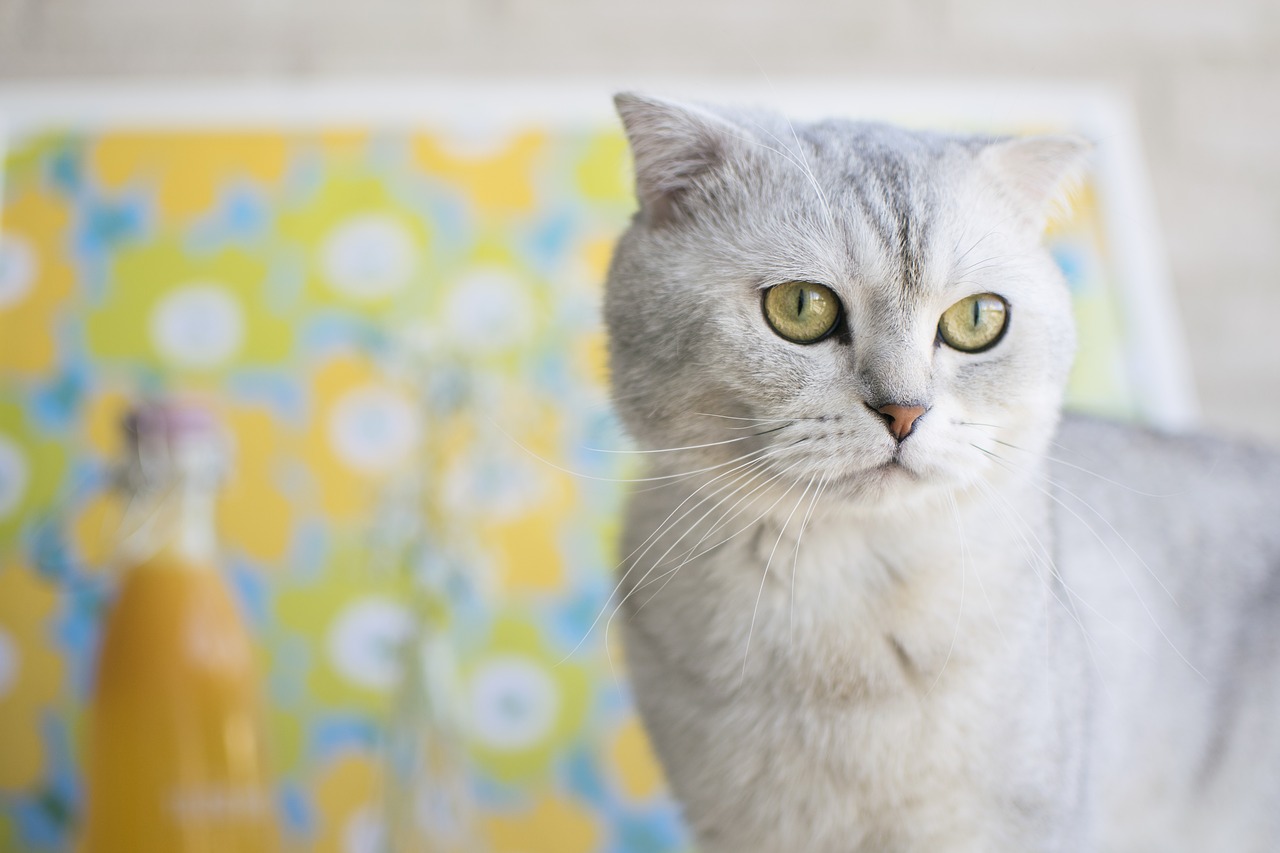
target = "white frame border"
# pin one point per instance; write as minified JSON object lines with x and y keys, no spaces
{"x":1157,"y":357}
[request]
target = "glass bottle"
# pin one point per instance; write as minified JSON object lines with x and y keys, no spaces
{"x":176,"y":760}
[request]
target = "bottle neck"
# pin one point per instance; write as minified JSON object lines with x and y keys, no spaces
{"x":194,"y":531}
{"x":173,"y":519}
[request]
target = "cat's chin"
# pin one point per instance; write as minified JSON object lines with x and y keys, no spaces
{"x":891,"y":484}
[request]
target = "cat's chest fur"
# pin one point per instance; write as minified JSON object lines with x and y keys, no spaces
{"x":852,"y":696}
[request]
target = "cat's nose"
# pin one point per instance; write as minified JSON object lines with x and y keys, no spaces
{"x":900,"y":420}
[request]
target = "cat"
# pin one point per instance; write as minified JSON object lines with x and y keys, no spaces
{"x":879,"y":593}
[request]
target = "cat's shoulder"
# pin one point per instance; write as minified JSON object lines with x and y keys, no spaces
{"x":1158,"y":472}
{"x":1131,"y":446}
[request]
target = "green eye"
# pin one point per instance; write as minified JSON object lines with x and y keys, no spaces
{"x":801,"y":312}
{"x":975,"y":323}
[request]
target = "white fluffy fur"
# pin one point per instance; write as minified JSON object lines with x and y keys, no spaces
{"x":962,"y":643}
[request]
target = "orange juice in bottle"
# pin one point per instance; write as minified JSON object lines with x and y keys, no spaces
{"x":175,"y":761}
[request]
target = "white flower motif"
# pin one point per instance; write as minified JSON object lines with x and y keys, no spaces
{"x":366,"y":640}
{"x":501,"y":488}
{"x":13,"y":477}
{"x":369,"y":257}
{"x":513,"y":703}
{"x":373,"y":429}
{"x":17,"y":269}
{"x":8,"y":663}
{"x":198,"y":325}
{"x":489,"y":310}
{"x":365,"y":832}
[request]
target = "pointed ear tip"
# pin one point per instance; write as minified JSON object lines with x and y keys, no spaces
{"x":1078,"y":144}
{"x":1066,"y":141}
{"x":629,"y":100}
{"x":1071,"y":151}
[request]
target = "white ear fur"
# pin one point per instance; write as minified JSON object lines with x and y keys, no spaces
{"x":1039,"y":173}
{"x":672,"y":145}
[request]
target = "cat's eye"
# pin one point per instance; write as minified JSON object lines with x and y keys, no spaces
{"x":801,"y":312}
{"x":975,"y":323}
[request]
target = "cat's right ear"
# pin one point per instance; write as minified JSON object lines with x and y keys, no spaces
{"x":673,"y":146}
{"x":1039,"y":173}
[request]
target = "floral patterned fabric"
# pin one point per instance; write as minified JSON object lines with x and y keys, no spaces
{"x":278,"y":275}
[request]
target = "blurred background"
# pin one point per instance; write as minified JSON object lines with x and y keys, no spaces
{"x":392,"y":314}
{"x":1202,"y":76}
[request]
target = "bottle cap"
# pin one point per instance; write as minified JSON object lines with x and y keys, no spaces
{"x":167,"y":421}
{"x":167,"y":439}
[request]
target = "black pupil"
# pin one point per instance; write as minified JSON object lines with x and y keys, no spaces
{"x":977,"y":307}
{"x":801,"y":293}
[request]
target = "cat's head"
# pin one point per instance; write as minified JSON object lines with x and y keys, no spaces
{"x":847,"y":302}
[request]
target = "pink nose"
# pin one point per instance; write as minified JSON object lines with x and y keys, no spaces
{"x":900,"y":419}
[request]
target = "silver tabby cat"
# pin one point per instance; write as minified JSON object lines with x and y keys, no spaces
{"x":880,"y":594}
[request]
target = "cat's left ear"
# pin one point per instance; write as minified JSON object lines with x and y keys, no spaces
{"x":674,"y":146}
{"x":1039,"y":173}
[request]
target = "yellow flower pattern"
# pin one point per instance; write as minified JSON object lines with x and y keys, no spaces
{"x":187,"y":171}
{"x":31,"y":673}
{"x":347,"y":797}
{"x":35,"y":281}
{"x":550,"y":826}
{"x":275,"y":276}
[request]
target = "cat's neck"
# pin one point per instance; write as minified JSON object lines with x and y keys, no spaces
{"x":887,"y":603}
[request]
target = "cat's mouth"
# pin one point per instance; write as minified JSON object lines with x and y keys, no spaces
{"x":886,"y":473}
{"x":894,"y":467}
{"x":891,"y":480}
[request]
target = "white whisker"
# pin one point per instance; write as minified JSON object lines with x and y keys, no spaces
{"x":746,"y":652}
{"x":1040,"y":558}
{"x":640,"y":550}
{"x":955,"y":631}
{"x":656,"y":563}
{"x":804,"y":524}
{"x":955,"y":513}
{"x":719,"y":524}
{"x":1119,"y":564}
{"x":664,"y":477}
{"x":690,"y":446}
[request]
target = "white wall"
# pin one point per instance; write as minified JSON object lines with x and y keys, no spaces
{"x":1203,"y":74}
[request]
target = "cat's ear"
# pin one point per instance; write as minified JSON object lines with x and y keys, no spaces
{"x":1039,"y":173}
{"x":673,"y":145}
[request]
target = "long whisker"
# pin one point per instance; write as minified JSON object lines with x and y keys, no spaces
{"x":746,"y":652}
{"x":690,"y":554}
{"x":1041,"y":553}
{"x":955,"y":631}
{"x":659,"y":560}
{"x":1056,"y":484}
{"x":1091,"y":473}
{"x":1119,"y":536}
{"x":795,"y":560}
{"x":681,"y":476}
{"x":721,"y":523}
{"x":999,"y":427}
{"x":975,"y":245}
{"x":750,"y":478}
{"x":978,"y":265}
{"x":666,"y":524}
{"x":756,"y":421}
{"x":977,"y":573}
{"x":690,"y":446}
{"x":1040,"y":558}
{"x":790,"y":157}
{"x":799,"y":152}
{"x":1119,"y":564}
